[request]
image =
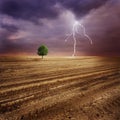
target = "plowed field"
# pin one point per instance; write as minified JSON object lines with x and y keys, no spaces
{"x":84,"y":88}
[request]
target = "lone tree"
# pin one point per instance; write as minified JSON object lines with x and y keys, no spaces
{"x":42,"y":50}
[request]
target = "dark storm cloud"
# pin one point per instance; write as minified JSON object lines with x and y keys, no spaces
{"x":34,"y":9}
{"x":5,"y":44}
{"x":29,"y":9}
{"x":9,"y":46}
{"x":82,"y":7}
{"x":103,"y":24}
{"x":11,"y":28}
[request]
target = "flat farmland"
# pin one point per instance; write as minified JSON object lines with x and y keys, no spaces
{"x":81,"y":88}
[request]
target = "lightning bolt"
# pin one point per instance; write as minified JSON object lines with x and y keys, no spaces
{"x":73,"y":34}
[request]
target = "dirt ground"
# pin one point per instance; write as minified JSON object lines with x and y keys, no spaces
{"x":81,"y":88}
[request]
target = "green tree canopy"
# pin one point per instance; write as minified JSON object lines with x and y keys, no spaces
{"x":42,"y":50}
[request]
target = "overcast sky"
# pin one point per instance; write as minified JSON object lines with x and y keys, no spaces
{"x":26,"y":24}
